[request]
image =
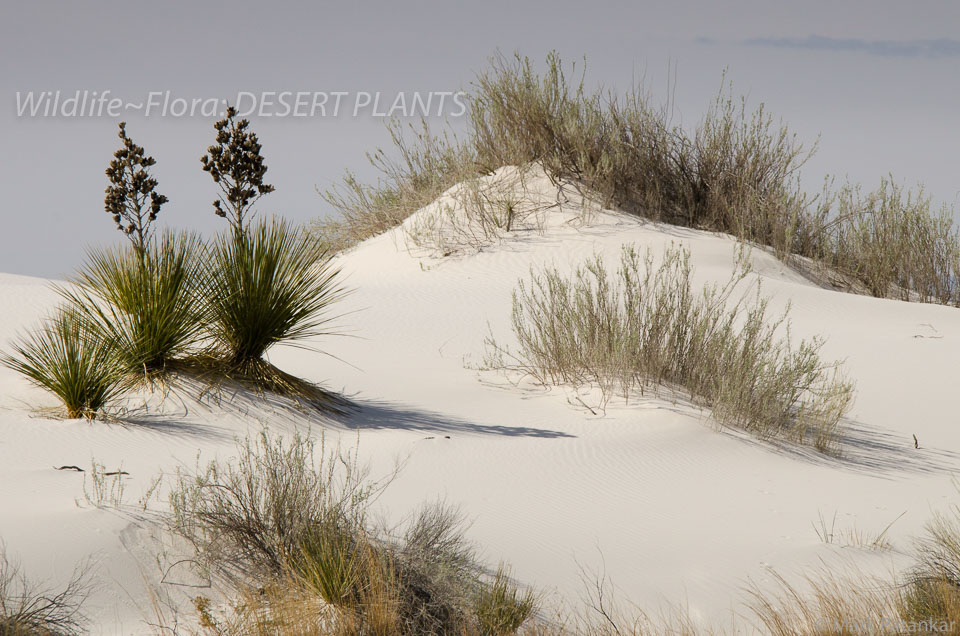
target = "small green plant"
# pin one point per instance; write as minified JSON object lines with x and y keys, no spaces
{"x":66,"y":357}
{"x":237,"y":167}
{"x":131,"y":198}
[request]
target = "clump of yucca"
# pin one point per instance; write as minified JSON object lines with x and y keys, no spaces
{"x":647,"y":327}
{"x":131,"y":198}
{"x":67,"y":357}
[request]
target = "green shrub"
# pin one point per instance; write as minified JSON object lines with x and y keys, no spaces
{"x":66,"y":357}
{"x":273,"y":284}
{"x":146,"y":305}
{"x":648,"y":327}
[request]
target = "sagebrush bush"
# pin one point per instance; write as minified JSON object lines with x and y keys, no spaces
{"x":147,"y":304}
{"x":891,"y":241}
{"x":647,"y":326}
{"x":67,"y":357}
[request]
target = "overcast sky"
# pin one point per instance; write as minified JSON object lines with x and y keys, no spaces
{"x":879,"y":81}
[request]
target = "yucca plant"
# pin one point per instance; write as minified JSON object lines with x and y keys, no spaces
{"x":144,"y":303}
{"x":66,"y":357}
{"x":273,"y":283}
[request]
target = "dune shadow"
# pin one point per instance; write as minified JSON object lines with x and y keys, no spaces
{"x":380,"y":415}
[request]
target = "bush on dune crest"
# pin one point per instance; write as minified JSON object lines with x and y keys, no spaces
{"x":647,"y":326}
{"x":737,"y":172}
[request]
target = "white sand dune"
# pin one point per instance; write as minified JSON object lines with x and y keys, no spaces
{"x":671,"y":508}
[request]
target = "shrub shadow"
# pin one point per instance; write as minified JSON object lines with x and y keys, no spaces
{"x":378,"y":415}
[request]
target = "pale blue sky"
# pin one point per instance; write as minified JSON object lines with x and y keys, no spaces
{"x":879,"y":80}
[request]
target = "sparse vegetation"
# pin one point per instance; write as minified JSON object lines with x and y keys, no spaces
{"x":737,"y":172}
{"x":27,"y":609}
{"x":649,"y":327}
{"x":428,"y":165}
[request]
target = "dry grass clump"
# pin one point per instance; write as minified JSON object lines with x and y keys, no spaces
{"x":27,"y":609}
{"x":427,"y":166}
{"x":294,"y":523}
{"x":647,"y":326}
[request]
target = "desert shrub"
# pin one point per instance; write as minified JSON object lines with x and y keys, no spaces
{"x":647,"y":326}
{"x":67,"y":357}
{"x":737,"y":172}
{"x":145,"y":304}
{"x":893,"y":242}
{"x":27,"y":609}
{"x":252,"y":514}
{"x":273,"y":283}
{"x":283,"y":517}
{"x":427,"y":166}
{"x":932,"y":590}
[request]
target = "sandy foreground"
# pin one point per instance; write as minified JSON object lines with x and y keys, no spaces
{"x":650,"y":494}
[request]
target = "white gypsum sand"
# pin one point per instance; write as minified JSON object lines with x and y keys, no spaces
{"x":651,"y":494}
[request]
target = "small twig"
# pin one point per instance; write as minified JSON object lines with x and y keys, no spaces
{"x":76,"y":468}
{"x":585,"y":405}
